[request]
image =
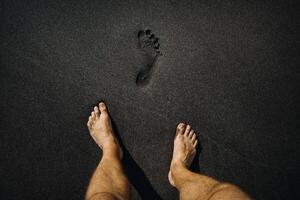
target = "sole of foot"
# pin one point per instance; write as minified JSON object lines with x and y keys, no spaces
{"x":184,"y":151}
{"x":149,"y":45}
{"x":100,"y":129}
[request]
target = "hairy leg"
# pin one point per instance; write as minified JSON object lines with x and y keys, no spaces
{"x":192,"y":185}
{"x":108,"y":182}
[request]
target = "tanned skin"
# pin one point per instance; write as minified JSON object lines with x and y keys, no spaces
{"x":109,"y":182}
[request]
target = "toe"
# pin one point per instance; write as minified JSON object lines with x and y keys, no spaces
{"x":187,"y":130}
{"x":93,"y":115}
{"x":102,"y":107}
{"x":195,"y":143}
{"x":96,"y":110}
{"x":180,"y":128}
{"x":89,"y":122}
{"x":193,"y":137}
{"x":191,"y":134}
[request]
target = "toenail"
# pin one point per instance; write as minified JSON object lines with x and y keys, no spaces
{"x":180,"y":126}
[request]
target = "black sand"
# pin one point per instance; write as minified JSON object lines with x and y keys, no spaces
{"x":227,"y":68}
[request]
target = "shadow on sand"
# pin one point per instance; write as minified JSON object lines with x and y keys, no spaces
{"x":136,"y":175}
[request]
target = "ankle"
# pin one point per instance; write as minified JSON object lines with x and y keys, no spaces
{"x":180,"y":174}
{"x":111,"y":149}
{"x":111,"y":157}
{"x":177,"y":166}
{"x":109,"y":142}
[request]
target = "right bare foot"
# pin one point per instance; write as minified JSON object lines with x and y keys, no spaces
{"x":99,"y":125}
{"x":185,"y":143}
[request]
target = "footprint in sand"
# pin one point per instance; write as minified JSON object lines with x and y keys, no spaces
{"x":149,"y":45}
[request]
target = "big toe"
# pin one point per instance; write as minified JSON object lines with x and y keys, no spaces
{"x":180,"y":128}
{"x":102,"y":107}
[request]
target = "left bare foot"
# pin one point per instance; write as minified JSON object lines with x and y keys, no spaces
{"x":99,"y":125}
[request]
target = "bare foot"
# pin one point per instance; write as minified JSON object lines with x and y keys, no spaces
{"x":99,"y":125}
{"x":185,"y":143}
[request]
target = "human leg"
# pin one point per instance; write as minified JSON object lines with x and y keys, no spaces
{"x":192,"y":185}
{"x":108,"y":182}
